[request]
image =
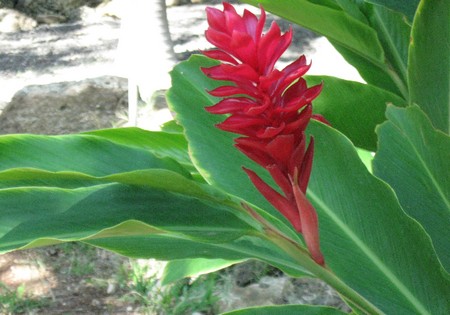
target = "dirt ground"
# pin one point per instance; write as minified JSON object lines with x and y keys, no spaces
{"x":65,"y":279}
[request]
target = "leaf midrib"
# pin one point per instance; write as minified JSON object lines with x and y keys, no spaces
{"x":394,"y":51}
{"x":424,"y":165}
{"x":389,"y":274}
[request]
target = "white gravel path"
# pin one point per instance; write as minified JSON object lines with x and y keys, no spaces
{"x":88,"y":48}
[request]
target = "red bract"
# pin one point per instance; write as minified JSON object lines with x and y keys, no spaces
{"x":269,"y":108}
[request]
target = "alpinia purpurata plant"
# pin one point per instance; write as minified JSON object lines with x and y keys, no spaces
{"x":270,"y":108}
{"x":373,"y":185}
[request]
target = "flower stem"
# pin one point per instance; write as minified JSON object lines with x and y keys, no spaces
{"x":303,"y":259}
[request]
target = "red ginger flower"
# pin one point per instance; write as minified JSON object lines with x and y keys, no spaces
{"x":269,"y":108}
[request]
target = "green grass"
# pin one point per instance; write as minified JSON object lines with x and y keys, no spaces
{"x":182,"y":297}
{"x":119,"y":283}
{"x":17,"y":301}
{"x":81,"y":258}
{"x":189,"y":295}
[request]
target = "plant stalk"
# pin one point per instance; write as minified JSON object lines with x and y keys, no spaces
{"x":303,"y":258}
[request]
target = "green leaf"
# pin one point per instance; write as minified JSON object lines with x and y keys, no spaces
{"x":35,"y":216}
{"x":406,"y":7}
{"x":414,"y":159}
{"x":179,"y":269}
{"x":79,"y":153}
{"x":287,"y":310}
{"x":379,"y":76}
{"x":172,"y":127}
{"x":353,"y":8}
{"x":349,"y":32}
{"x":162,"y":144}
{"x":366,"y":157}
{"x":152,"y":178}
{"x":333,"y":23}
{"x":393,"y":32}
{"x":359,"y":215}
{"x":353,"y":108}
{"x":170,"y":247}
{"x":429,"y":62}
{"x":29,"y":177}
{"x":146,"y":213}
{"x":360,"y":220}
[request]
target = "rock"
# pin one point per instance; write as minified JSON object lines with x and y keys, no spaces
{"x":279,"y":290}
{"x":250,"y":272}
{"x":253,"y":283}
{"x":13,"y":21}
{"x":111,"y":289}
{"x":66,"y":107}
{"x":53,"y":11}
{"x":50,"y":18}
{"x":312,"y":292}
{"x":171,"y":3}
{"x":267,"y":291}
{"x":113,"y":8}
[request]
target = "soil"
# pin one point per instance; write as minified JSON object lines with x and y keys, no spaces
{"x":64,"y":279}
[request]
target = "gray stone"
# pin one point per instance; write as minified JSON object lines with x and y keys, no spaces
{"x":14,"y":21}
{"x":267,"y":291}
{"x":255,"y":283}
{"x":250,"y":272}
{"x":171,"y":3}
{"x":66,"y":107}
{"x":312,"y":291}
{"x":280,"y":291}
{"x":53,"y":11}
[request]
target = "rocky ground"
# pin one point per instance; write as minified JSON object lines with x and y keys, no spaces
{"x":87,"y":48}
{"x":68,"y":52}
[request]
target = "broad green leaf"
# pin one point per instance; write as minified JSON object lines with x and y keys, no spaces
{"x":165,"y":247}
{"x":34,"y":216}
{"x":31,"y":177}
{"x":429,"y":62}
{"x":366,"y":157}
{"x":353,"y":108}
{"x":151,"y":213}
{"x":393,"y":32}
{"x":22,"y":204}
{"x":172,"y":127}
{"x":331,"y":22}
{"x":179,"y":269}
{"x":406,"y":7}
{"x":287,"y":310}
{"x":159,"y":179}
{"x":414,"y":159}
{"x":79,"y":153}
{"x":162,"y":144}
{"x":152,"y":178}
{"x":353,"y":8}
{"x":351,"y":35}
{"x":61,"y":215}
{"x":359,"y":215}
{"x":170,"y":247}
{"x":367,"y":239}
{"x":379,"y":76}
